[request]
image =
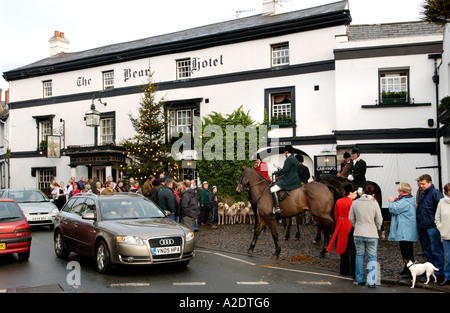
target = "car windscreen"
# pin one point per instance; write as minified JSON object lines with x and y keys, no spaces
{"x":10,"y":212}
{"x":129,"y":208}
{"x":24,"y":196}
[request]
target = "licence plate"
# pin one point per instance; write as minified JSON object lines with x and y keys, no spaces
{"x":166,"y":250}
{"x":38,"y":218}
{"x":2,"y":246}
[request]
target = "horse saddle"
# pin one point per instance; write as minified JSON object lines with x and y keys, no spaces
{"x":282,"y":194}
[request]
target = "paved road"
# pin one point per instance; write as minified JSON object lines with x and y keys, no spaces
{"x":209,"y":272}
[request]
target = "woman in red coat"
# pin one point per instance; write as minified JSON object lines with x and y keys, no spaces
{"x":343,"y":233}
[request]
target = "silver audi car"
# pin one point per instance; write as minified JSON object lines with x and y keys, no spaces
{"x":120,"y":229}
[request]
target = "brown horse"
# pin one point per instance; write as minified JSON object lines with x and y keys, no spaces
{"x":313,"y":196}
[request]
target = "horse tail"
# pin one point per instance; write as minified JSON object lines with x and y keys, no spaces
{"x":336,"y":197}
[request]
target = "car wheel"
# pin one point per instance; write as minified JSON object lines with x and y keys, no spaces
{"x":102,"y":258}
{"x":24,"y":256}
{"x":60,"y":250}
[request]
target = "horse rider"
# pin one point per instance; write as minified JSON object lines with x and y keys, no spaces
{"x":262,"y":167}
{"x":357,"y":170}
{"x":289,"y":180}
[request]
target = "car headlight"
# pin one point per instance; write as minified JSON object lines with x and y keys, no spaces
{"x":132,"y":240}
{"x":190,"y":236}
{"x":54,"y":211}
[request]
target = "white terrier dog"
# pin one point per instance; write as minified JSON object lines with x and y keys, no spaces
{"x":419,"y":269}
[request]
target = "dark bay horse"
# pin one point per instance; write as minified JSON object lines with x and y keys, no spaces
{"x":315,"y":197}
{"x":338,"y":182}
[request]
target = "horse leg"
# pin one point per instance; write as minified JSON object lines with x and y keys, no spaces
{"x":297,"y":234}
{"x":257,"y":231}
{"x":288,"y":228}
{"x":255,"y":216}
{"x":326,"y":225}
{"x":319,"y":232}
{"x":273,"y":228}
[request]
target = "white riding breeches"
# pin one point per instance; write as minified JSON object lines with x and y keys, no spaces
{"x":275,"y":188}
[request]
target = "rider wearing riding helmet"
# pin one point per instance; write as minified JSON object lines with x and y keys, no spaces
{"x":289,"y":179}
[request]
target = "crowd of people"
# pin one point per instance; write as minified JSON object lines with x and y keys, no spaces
{"x":423,"y":218}
{"x":183,"y":201}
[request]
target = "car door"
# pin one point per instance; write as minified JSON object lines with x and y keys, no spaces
{"x":84,"y":230}
{"x":68,"y":219}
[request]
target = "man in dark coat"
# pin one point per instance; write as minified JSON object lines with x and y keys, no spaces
{"x":303,"y":170}
{"x":430,"y":236}
{"x":290,"y":179}
{"x":189,"y":205}
{"x":357,"y":171}
{"x":167,"y":199}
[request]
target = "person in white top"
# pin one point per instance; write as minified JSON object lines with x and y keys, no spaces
{"x":442,"y":221}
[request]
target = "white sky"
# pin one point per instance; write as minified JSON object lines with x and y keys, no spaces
{"x":27,"y":25}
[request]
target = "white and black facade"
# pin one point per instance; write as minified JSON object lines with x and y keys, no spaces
{"x":318,"y":78}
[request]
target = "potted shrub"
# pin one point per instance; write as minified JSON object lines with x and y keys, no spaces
{"x":43,"y":145}
{"x":394,"y":97}
{"x":281,"y":120}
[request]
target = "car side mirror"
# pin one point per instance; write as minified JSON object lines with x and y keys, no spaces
{"x":88,"y":216}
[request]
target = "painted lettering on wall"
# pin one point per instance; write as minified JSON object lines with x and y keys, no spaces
{"x":198,"y":64}
{"x":128,"y":73}
{"x":82,"y":81}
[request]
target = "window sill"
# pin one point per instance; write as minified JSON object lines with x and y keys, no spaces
{"x":281,"y":125}
{"x":395,"y":105}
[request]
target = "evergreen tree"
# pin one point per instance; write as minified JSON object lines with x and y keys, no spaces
{"x":147,"y":150}
{"x":222,"y":161}
{"x":436,"y":11}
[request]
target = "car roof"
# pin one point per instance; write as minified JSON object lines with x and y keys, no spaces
{"x":111,"y":195}
{"x":19,"y":189}
{"x":7,"y":200}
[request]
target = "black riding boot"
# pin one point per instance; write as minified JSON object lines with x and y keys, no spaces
{"x":276,"y":203}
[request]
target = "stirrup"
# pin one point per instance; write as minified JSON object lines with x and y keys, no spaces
{"x":276,"y":211}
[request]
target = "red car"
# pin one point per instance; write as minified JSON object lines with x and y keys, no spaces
{"x":15,"y":234}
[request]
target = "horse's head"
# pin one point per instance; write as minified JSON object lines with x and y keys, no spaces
{"x":242,"y":182}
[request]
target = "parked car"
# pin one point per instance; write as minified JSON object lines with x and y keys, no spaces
{"x":15,"y":235}
{"x":119,"y":229}
{"x":38,"y":209}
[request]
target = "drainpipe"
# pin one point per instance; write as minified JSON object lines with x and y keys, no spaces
{"x":436,"y":83}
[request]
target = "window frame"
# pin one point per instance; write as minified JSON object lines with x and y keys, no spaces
{"x":47,"y":88}
{"x":176,"y":105}
{"x":107,"y":85}
{"x":278,"y":49}
{"x":184,"y":71}
{"x":107,"y":116}
{"x":269,"y":102}
{"x":382,"y":75}
{"x":40,"y":121}
{"x":42,"y":183}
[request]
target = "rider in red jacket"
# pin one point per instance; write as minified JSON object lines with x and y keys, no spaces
{"x":262,"y":167}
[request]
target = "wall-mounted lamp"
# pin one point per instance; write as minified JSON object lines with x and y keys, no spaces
{"x":92,"y":117}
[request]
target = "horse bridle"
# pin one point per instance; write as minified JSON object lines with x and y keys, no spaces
{"x":249,"y":187}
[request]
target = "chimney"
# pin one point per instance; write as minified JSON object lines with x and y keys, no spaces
{"x":271,"y":7}
{"x":58,"y":44}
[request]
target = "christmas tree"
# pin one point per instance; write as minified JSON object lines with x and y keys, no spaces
{"x":147,"y":150}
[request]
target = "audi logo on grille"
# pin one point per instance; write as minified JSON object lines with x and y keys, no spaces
{"x":166,"y":242}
